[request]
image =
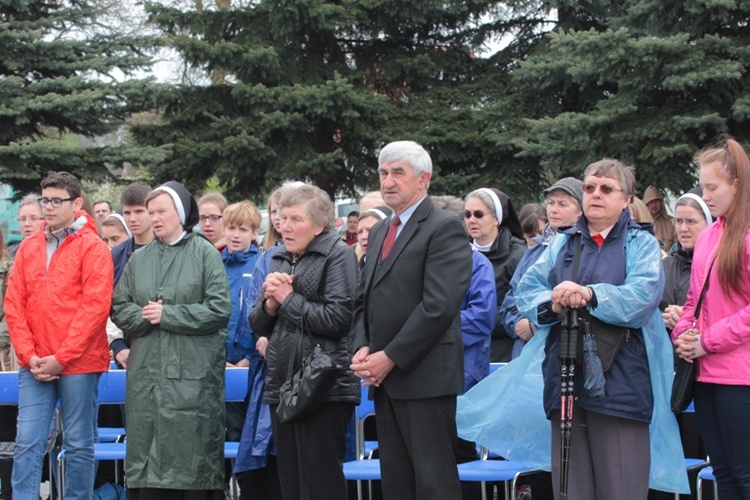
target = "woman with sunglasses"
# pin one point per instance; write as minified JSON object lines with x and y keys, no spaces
{"x":609,"y":267}
{"x":493,"y":224}
{"x":720,"y":341}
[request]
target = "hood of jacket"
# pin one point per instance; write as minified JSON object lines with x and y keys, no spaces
{"x":83,"y":223}
{"x":651,"y":194}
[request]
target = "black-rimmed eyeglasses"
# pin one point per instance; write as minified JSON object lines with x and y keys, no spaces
{"x":212,"y":218}
{"x":55,"y":202}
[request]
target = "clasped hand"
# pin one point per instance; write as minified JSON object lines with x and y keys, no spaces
{"x":372,"y":368}
{"x":689,"y":345}
{"x":671,"y":315}
{"x":570,"y":294}
{"x":45,"y":369}
{"x":275,"y":290}
{"x":152,"y":312}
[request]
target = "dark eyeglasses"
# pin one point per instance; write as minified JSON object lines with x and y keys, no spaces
{"x":212,"y":218}
{"x":478,"y":214}
{"x":55,"y":202}
{"x":604,"y":188}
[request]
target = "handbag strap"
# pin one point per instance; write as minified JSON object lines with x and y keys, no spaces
{"x":699,"y":304}
{"x":301,"y":337}
{"x":297,"y":350}
{"x":577,"y":258}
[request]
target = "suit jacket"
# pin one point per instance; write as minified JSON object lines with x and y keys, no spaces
{"x":408,"y":305}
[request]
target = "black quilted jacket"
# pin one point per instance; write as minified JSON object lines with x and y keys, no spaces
{"x":325,"y":285}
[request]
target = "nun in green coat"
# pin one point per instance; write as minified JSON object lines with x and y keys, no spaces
{"x":173,"y":303}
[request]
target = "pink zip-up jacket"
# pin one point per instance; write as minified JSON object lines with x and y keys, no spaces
{"x":724,"y":322}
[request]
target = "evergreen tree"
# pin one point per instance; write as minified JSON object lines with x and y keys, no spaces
{"x":57,"y":81}
{"x":647,"y":81}
{"x":311,"y":89}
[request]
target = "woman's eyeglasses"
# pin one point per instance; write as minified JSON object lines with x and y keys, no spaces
{"x":30,"y":218}
{"x":478,"y":214}
{"x":604,"y":188}
{"x":212,"y":218}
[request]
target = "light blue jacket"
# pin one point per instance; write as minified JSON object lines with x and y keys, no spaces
{"x":504,"y":412}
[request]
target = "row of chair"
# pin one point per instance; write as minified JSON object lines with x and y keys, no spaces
{"x":112,"y":444}
{"x":111,"y":391}
{"x":367,"y":468}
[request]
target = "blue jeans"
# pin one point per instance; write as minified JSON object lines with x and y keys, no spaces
{"x":722,"y":414}
{"x":36,"y":407}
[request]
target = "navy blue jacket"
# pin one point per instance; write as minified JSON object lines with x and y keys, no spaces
{"x":628,"y":384}
{"x":121,"y":255}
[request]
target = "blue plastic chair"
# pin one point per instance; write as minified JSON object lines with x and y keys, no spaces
{"x":496,"y":366}
{"x":693,"y":464}
{"x":494,"y":471}
{"x":235,"y":384}
{"x":235,"y":390}
{"x":9,"y":388}
{"x":111,"y":390}
{"x":365,"y":409}
{"x":364,"y":469}
{"x":706,"y":474}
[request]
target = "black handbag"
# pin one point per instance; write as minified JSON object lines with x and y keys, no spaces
{"x":305,"y":389}
{"x":609,"y":338}
{"x":683,"y":385}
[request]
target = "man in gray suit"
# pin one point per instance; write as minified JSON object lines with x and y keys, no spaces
{"x":407,"y":329}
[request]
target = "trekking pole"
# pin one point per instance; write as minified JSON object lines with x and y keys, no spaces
{"x":568,"y":347}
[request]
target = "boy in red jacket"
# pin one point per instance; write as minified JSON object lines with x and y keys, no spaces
{"x":57,"y":303}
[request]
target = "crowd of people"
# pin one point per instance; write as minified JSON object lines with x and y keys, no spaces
{"x":412,"y":300}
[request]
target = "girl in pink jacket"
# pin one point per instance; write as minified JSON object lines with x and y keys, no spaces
{"x":720,"y":340}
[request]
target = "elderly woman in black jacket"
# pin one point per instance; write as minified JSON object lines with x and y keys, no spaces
{"x":309,"y":291}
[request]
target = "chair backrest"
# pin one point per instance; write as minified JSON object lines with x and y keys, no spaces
{"x":496,"y":366}
{"x":112,"y":388}
{"x":366,"y":406}
{"x":8,"y":388}
{"x":235,"y":384}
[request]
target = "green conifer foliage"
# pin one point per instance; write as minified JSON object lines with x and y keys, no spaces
{"x":57,"y":68}
{"x":313,"y":88}
{"x":652,"y":84}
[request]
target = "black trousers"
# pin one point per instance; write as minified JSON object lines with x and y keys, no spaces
{"x":416,"y":439}
{"x":261,"y":484}
{"x":310,"y":454}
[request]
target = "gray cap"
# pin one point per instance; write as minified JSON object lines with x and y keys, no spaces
{"x":571,"y":186}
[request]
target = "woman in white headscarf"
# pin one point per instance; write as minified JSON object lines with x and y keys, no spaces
{"x":492,"y":223}
{"x":173,"y":301}
{"x":691,"y":218}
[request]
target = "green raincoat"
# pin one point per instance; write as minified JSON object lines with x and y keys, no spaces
{"x":174,"y":404}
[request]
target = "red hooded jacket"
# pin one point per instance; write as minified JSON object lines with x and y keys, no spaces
{"x":63,"y":309}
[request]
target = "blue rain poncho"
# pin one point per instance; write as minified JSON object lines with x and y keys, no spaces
{"x":505,"y":412}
